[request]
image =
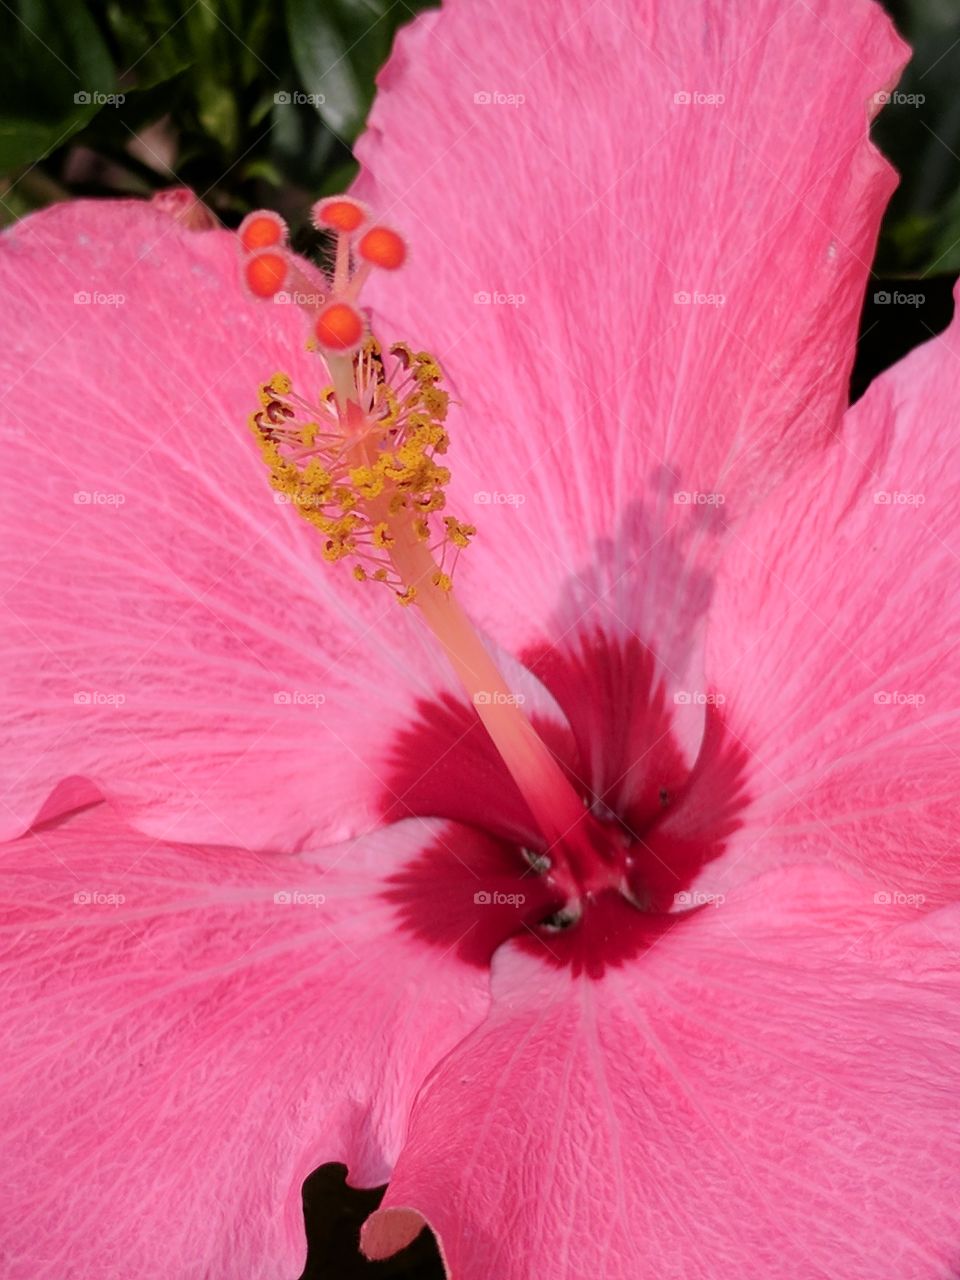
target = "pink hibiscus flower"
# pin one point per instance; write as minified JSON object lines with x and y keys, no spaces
{"x":664,"y":983}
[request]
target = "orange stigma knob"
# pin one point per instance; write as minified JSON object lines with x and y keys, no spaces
{"x":265,"y":273}
{"x":382,"y":247}
{"x":262,"y":230}
{"x":339,"y":327}
{"x":339,"y":213}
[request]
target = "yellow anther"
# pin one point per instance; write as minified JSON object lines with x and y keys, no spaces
{"x":459,"y":534}
{"x":403,"y":353}
{"x":426,"y":370}
{"x":368,"y":481}
{"x":283,"y":481}
{"x":360,"y":466}
{"x":316,"y":476}
{"x":435,"y":401}
{"x":393,"y":407}
{"x":410,"y":454}
{"x":345,"y":497}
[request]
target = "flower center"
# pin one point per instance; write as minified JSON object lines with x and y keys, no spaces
{"x":359,"y":462}
{"x":656,"y":826}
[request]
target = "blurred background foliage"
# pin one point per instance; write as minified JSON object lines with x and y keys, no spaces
{"x":921,"y":235}
{"x":249,"y":102}
{"x":257,"y":103}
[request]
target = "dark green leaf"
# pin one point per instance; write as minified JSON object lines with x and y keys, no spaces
{"x":55,"y":75}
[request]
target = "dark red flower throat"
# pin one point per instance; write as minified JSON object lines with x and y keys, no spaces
{"x":650,"y":822}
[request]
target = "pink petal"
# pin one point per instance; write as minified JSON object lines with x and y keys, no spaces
{"x":178,"y":1060}
{"x":770,"y":1091}
{"x":169,"y":631}
{"x":592,"y":409}
{"x":834,"y":641}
